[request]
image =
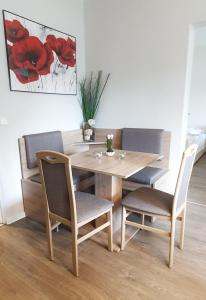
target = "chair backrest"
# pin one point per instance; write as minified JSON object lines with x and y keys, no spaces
{"x":184,"y":175}
{"x":143,"y":140}
{"x":42,"y":141}
{"x":57,"y":181}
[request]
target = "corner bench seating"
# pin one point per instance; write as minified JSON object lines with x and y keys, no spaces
{"x":72,"y":142}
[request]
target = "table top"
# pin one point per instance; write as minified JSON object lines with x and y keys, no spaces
{"x":113,"y":166}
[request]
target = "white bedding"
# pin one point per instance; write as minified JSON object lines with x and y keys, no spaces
{"x":197,"y":136}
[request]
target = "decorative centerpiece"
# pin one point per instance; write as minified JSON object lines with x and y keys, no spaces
{"x":109,"y":143}
{"x":91,"y":91}
{"x":89,"y":132}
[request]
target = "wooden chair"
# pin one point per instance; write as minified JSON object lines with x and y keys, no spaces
{"x":155,"y":203}
{"x":63,"y":205}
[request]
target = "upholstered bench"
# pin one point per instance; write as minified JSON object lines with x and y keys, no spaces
{"x":144,"y":140}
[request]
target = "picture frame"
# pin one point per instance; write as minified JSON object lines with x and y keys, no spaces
{"x":40,"y":59}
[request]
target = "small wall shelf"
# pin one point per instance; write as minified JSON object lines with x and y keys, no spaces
{"x":89,"y":143}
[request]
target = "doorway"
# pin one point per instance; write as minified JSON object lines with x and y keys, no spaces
{"x":196,"y":129}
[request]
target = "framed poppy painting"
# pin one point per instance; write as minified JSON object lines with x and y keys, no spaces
{"x":40,"y":58}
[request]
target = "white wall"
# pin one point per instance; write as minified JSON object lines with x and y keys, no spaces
{"x":197,"y":103}
{"x":1,"y":208}
{"x":32,"y":113}
{"x":144,"y":44}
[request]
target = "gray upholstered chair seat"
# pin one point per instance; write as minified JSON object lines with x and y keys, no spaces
{"x":89,"y":205}
{"x":149,"y":200}
{"x":78,"y":175}
{"x":148,"y":175}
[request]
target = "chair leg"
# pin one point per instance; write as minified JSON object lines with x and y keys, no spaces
{"x":142,"y":219}
{"x":49,"y":239}
{"x":75,"y":252}
{"x":57,"y":228}
{"x":182,"y":230}
{"x":152,"y":219}
{"x":172,"y":243}
{"x":110,"y":231}
{"x":123,"y":227}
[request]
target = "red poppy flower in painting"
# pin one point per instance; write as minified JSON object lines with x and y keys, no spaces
{"x":15,"y":32}
{"x":64,"y":48}
{"x":30,"y":58}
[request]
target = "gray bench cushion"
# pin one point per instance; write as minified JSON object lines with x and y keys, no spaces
{"x":42,"y":141}
{"x":148,"y":175}
{"x":89,"y":205}
{"x":149,"y":200}
{"x":78,"y":176}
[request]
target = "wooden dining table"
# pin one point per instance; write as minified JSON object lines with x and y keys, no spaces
{"x":110,"y":173}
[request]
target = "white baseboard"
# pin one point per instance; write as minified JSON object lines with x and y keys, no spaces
{"x":15,"y":218}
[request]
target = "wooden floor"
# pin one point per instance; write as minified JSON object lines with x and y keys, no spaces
{"x":197,"y":192}
{"x":139,"y":272}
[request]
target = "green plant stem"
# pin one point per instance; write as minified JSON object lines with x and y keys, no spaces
{"x":109,"y":143}
{"x":91,"y":91}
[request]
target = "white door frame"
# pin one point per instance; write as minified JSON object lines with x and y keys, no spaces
{"x":1,"y":204}
{"x":1,"y":215}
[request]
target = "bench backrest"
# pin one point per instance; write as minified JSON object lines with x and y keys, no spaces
{"x":142,"y":140}
{"x":42,"y":141}
{"x":70,"y":145}
{"x":72,"y":140}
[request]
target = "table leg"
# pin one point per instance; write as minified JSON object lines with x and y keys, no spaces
{"x":110,"y":188}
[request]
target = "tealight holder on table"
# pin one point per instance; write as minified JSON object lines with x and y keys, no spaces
{"x":98,"y":154}
{"x":122,"y":154}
